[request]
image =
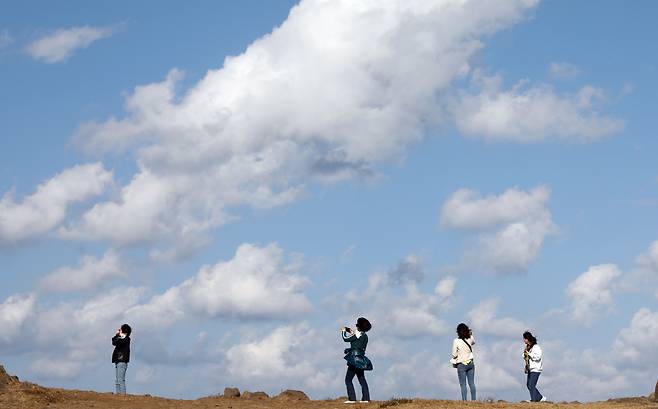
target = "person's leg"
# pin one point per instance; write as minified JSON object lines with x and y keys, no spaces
{"x":349,"y":376}
{"x":461,"y":375}
{"x":116,"y":378}
{"x":528,"y":383}
{"x":538,"y":395}
{"x":121,"y":368}
{"x":470,"y":375}
{"x":533,"y":377}
{"x":365,"y":392}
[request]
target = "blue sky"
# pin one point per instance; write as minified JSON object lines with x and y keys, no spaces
{"x":241,"y":179}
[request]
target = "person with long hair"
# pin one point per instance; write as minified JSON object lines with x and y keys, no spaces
{"x":357,"y":361}
{"x":532,"y":355}
{"x":462,"y":359}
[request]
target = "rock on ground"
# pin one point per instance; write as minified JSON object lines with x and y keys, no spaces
{"x":231,"y":392}
{"x":290,"y":394}
{"x":255,"y":395}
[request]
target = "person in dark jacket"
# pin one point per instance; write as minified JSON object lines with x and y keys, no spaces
{"x":121,"y":356}
{"x":357,"y":362}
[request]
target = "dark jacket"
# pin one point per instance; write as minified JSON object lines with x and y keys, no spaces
{"x":121,"y":349}
{"x":355,"y":355}
{"x":356,"y":344}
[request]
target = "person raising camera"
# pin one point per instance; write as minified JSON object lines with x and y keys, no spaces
{"x":121,"y":357}
{"x":357,"y":361}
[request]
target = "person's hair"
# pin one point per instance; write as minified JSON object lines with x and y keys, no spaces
{"x":363,"y":324}
{"x":463,"y":331}
{"x":125,"y":328}
{"x":531,"y":338}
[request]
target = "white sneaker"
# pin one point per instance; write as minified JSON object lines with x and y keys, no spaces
{"x":350,"y":401}
{"x":526,"y":401}
{"x":364,"y":401}
{"x":543,"y":399}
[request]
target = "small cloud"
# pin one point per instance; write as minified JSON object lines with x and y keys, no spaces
{"x":5,"y":38}
{"x":628,"y":88}
{"x":563,"y":70}
{"x":60,"y":45}
{"x":409,"y":270}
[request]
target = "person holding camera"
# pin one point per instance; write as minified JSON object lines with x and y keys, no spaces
{"x":532,"y":355}
{"x":357,"y":361}
{"x":462,"y":359}
{"x":121,"y":357}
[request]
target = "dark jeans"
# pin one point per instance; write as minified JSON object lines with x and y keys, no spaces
{"x":465,"y":372}
{"x":533,"y":377}
{"x":349,"y":376}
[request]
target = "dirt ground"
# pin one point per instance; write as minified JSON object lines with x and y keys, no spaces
{"x":37,"y":397}
{"x":25,"y":395}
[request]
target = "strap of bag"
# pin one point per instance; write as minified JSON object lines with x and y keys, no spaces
{"x":469,"y":345}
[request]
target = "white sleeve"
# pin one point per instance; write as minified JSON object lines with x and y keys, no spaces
{"x":535,"y":353}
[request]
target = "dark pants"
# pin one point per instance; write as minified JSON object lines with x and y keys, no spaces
{"x":349,"y":376}
{"x":533,"y":377}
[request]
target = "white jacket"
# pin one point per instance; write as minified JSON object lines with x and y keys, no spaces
{"x":460,"y":351}
{"x":535,"y":355}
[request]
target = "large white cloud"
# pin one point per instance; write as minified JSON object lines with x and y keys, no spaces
{"x":46,"y":208}
{"x":326,"y":96}
{"x":255,"y":284}
{"x":89,"y":275}
{"x":60,"y":45}
{"x":591,"y":293}
{"x":530,"y":114}
{"x":512,"y":225}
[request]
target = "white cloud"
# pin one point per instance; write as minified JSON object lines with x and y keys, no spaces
{"x":46,"y":208}
{"x":446,"y":287}
{"x":414,"y":312}
{"x":270,"y":357}
{"x":634,"y":345}
{"x":467,"y":209}
{"x":55,"y":368}
{"x":283,"y":357}
{"x":60,"y":45}
{"x":563,"y":70}
{"x":591,"y":292}
{"x":647,"y":262}
{"x":522,"y":220}
{"x":533,"y":114}
{"x":14,"y":312}
{"x":89,"y":275}
{"x":483,"y":319}
{"x":323,"y":98}
{"x":255,"y":284}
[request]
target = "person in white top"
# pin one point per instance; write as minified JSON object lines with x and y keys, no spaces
{"x":532,"y":355}
{"x":462,"y":359}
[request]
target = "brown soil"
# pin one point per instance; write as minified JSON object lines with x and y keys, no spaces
{"x":24,"y":395}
